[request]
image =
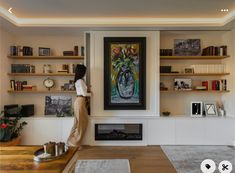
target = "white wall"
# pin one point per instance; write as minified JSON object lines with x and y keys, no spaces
{"x":6,"y":39}
{"x":152,"y":73}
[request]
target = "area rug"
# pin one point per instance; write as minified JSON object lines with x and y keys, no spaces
{"x":103,"y":166}
{"x":187,"y":159}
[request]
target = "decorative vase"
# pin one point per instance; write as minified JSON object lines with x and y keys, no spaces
{"x":125,"y":83}
{"x":13,"y":142}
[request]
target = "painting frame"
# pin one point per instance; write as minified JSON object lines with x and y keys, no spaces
{"x":196,"y":109}
{"x":108,"y":97}
{"x":211,"y":109}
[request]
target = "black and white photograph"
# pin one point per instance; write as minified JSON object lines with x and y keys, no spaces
{"x":42,"y":51}
{"x":210,"y":109}
{"x":58,"y":105}
{"x":183,"y":84}
{"x":196,"y":109}
{"x":187,"y":47}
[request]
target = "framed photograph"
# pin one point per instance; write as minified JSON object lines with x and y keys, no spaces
{"x":42,"y":51}
{"x":183,"y":84}
{"x":124,"y":73}
{"x":196,"y":109}
{"x":189,"y":70}
{"x":58,"y":105}
{"x":187,"y":47}
{"x":210,"y":109}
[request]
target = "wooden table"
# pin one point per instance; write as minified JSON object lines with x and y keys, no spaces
{"x":20,"y":160}
{"x":143,"y":159}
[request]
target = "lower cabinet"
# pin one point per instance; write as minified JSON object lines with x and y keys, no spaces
{"x":41,"y":130}
{"x":191,"y":131}
{"x":157,"y":131}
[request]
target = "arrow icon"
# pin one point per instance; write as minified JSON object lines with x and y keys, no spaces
{"x":9,"y":10}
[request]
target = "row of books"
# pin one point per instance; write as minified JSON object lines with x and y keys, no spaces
{"x":22,"y":68}
{"x":215,"y":85}
{"x":209,"y":68}
{"x":21,"y":51}
{"x":20,"y":86}
{"x":215,"y":51}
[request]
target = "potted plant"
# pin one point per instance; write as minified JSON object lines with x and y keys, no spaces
{"x":10,"y":129}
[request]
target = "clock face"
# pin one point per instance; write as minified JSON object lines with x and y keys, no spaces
{"x":49,"y":83}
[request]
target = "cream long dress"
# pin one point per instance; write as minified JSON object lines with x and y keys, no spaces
{"x":80,"y":115}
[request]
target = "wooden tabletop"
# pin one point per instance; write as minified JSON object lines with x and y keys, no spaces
{"x":143,"y":159}
{"x":20,"y":160}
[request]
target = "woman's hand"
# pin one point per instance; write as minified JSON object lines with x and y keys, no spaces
{"x":89,"y":88}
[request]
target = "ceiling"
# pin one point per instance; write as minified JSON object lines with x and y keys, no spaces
{"x":39,"y":12}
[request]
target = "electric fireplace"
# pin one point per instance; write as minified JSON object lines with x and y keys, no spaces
{"x":118,"y":131}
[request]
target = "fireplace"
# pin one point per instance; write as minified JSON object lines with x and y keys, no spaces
{"x":118,"y":131}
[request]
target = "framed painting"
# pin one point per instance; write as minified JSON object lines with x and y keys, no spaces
{"x":124,"y":73}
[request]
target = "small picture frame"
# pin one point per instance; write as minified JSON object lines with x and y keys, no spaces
{"x":42,"y":51}
{"x":189,"y":70}
{"x":196,"y":109}
{"x":210,"y":109}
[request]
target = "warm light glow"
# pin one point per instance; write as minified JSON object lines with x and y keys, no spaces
{"x":224,"y":10}
{"x":9,"y":10}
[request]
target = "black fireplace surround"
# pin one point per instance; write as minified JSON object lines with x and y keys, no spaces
{"x":118,"y":131}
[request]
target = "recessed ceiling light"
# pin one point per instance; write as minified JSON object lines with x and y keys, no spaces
{"x":9,"y":10}
{"x":224,"y":10}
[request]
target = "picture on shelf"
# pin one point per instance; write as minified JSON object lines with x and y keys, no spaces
{"x":58,"y":105}
{"x":42,"y":51}
{"x":187,"y":47}
{"x":210,"y":109}
{"x":189,"y":70}
{"x":196,"y":109}
{"x":183,"y":84}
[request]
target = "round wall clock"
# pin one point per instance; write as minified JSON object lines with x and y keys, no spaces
{"x":49,"y":83}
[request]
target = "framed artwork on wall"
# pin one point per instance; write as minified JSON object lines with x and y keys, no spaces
{"x":124,"y":73}
{"x":210,"y":109}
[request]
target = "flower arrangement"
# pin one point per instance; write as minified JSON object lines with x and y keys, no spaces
{"x":10,"y":127}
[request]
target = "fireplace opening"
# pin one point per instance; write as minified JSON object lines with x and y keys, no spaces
{"x":118,"y":132}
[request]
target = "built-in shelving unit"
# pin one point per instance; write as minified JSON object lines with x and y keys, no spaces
{"x":47,"y":57}
{"x":191,"y":91}
{"x":193,"y":57}
{"x":206,"y":71}
{"x":194,"y":74}
{"x":41,"y":91}
{"x":40,"y":74}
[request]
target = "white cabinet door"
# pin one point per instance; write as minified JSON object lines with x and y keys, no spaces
{"x":66,"y":128}
{"x":161,"y":131}
{"x":220,"y":131}
{"x":46,"y":130}
{"x":27,"y":132}
{"x":189,"y":131}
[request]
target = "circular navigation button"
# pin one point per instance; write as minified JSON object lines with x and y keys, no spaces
{"x":225,"y":167}
{"x":208,"y":166}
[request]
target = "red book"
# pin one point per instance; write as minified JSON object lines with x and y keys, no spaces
{"x":214,"y":85}
{"x":205,"y":83}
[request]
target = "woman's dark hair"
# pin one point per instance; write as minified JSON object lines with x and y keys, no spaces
{"x":80,"y":72}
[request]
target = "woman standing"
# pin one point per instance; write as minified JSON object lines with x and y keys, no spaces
{"x":80,"y":110}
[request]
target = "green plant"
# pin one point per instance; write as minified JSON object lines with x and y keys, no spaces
{"x":10,"y":127}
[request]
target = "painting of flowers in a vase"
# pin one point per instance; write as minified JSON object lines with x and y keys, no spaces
{"x":124,"y":73}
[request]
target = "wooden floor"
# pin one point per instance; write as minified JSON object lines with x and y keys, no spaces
{"x":142,"y":159}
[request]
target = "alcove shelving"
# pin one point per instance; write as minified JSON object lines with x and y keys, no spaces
{"x":46,"y":57}
{"x":178,"y":101}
